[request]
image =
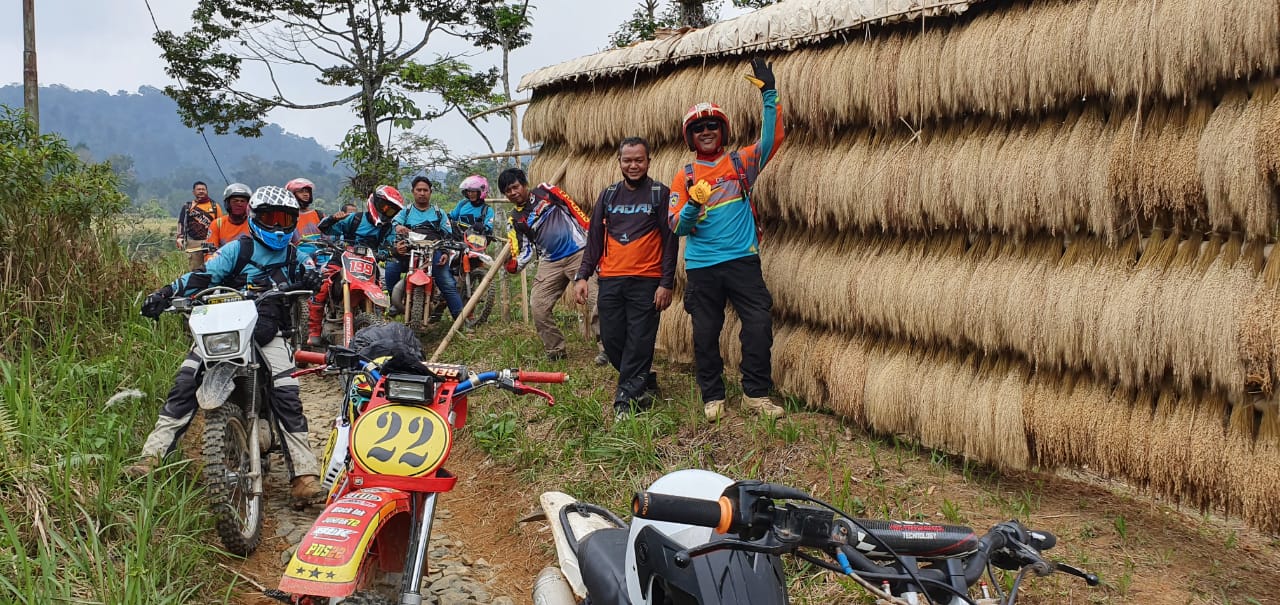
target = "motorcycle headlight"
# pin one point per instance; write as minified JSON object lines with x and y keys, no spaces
{"x":222,"y":343}
{"x":408,"y":387}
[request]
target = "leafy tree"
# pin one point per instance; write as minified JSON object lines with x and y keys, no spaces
{"x":647,"y":19}
{"x":367,"y":50}
{"x":505,"y":26}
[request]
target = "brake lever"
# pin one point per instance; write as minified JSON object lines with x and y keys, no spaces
{"x":1090,"y":579}
{"x":684,"y":557}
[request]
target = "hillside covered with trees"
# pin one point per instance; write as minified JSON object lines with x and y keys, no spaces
{"x":156,"y":157}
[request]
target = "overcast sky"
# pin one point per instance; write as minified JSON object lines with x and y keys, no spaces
{"x":106,"y":45}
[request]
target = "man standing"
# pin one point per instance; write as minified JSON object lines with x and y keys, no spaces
{"x":194,"y":220}
{"x":546,"y":222}
{"x":630,"y":244}
{"x":711,"y":207}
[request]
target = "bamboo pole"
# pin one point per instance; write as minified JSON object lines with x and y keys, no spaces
{"x":504,"y":154}
{"x":498,"y":108}
{"x":497,"y":265}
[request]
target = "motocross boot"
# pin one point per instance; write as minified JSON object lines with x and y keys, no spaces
{"x":144,"y":466}
{"x":305,"y":490}
{"x":315,"y":324}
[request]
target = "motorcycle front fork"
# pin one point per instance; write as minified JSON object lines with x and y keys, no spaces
{"x":423,"y":510}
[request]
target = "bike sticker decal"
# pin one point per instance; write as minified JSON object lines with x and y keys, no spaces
{"x":401,"y":440}
{"x":327,"y":561}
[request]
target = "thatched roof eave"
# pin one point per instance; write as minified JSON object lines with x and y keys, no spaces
{"x":783,"y":26}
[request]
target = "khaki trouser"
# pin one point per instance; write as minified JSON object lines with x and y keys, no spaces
{"x":195,"y":260}
{"x":548,"y":287}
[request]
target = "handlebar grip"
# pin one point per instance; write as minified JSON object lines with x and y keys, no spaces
{"x":678,"y":509}
{"x":526,"y":376}
{"x":310,"y":357}
{"x":1041,"y":540}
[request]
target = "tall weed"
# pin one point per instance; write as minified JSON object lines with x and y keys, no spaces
{"x":71,"y":528}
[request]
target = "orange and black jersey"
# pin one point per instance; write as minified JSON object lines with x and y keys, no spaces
{"x":629,"y":235}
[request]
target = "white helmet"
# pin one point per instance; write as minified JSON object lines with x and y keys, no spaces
{"x":235,"y":190}
{"x":275,"y":216}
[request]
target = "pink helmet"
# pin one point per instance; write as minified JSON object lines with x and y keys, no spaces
{"x":475,"y":182}
{"x":299,"y":184}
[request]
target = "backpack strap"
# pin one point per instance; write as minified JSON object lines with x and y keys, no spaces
{"x":244,"y":256}
{"x":688,"y":176}
{"x":746,"y":183}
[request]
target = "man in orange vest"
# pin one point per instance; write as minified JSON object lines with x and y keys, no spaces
{"x":194,"y":220}
{"x":235,"y":200}
{"x":303,"y":190}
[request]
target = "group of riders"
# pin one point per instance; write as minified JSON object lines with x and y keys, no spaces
{"x":264,"y":238}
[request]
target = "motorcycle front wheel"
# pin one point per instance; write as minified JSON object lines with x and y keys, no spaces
{"x":227,"y":479}
{"x":416,"y":315}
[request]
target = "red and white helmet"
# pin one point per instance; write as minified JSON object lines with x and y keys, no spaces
{"x":385,"y":203}
{"x":702,"y":111}
{"x":475,"y":182}
{"x":299,"y":184}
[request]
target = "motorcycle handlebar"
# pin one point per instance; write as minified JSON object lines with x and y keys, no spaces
{"x":678,"y":509}
{"x":550,"y":377}
{"x":310,"y":357}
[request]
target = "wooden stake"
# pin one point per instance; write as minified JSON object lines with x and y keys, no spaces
{"x":498,"y":262}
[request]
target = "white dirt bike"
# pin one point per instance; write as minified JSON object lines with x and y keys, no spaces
{"x":699,"y":538}
{"x":240,"y":426}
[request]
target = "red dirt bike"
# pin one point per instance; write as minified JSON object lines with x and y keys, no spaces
{"x":356,"y":299}
{"x":422,"y":302}
{"x":377,"y":523}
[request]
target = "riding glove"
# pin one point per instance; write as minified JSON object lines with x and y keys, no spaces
{"x":157,"y":302}
{"x":762,"y":74}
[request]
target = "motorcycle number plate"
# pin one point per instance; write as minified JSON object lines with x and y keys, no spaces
{"x":359,"y":268}
{"x":222,"y":298}
{"x":476,"y":240}
{"x":401,"y":440}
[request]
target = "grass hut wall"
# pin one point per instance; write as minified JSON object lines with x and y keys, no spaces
{"x":1050,"y":218}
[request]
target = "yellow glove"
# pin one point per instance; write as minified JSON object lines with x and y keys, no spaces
{"x":700,"y":193}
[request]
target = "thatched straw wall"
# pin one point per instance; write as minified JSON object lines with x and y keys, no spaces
{"x":1028,"y":58}
{"x":1179,"y":311}
{"x":1198,"y":166}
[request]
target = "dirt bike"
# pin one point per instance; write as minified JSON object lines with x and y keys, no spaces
{"x":356,"y":298}
{"x":669,"y":554}
{"x":390,"y":448}
{"x":422,"y":302}
{"x":240,"y":426}
{"x":469,"y":269}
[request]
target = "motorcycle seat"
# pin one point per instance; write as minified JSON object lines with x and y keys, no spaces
{"x":603,"y":555}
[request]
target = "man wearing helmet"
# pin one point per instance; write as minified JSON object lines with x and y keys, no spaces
{"x":228,"y":228}
{"x":546,"y":222}
{"x":264,"y":257}
{"x":193,"y":223}
{"x":428,"y":219}
{"x":711,"y":208}
{"x":372,"y":228}
{"x":472,"y":210}
{"x":308,"y":219}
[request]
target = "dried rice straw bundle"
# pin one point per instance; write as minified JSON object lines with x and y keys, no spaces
{"x":847,"y":378}
{"x":1111,"y":441}
{"x":889,"y":407}
{"x":1168,"y":441}
{"x":1141,"y":423}
{"x":675,"y":333}
{"x":1206,"y":457}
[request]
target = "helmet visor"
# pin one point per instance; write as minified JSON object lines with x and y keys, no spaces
{"x":386,"y":208}
{"x":278,"y":219}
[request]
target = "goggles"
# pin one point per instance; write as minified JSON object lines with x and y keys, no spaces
{"x":385,"y":208}
{"x":712,"y":125}
{"x":277,"y":218}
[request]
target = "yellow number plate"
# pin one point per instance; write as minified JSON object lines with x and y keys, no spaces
{"x":477,"y":240}
{"x":222,"y":298}
{"x":401,"y":440}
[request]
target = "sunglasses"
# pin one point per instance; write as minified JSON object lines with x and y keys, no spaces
{"x":277,"y":218}
{"x":712,"y":125}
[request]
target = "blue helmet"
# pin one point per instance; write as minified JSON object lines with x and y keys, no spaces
{"x":275,"y":216}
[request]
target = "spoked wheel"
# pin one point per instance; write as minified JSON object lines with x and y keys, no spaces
{"x":364,"y":320}
{"x":484,"y":307}
{"x":300,"y":313}
{"x":416,"y":314}
{"x":227,"y":479}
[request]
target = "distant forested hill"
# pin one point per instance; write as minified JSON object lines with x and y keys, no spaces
{"x":158,"y":158}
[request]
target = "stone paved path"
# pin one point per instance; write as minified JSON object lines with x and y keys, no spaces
{"x":454,"y":576}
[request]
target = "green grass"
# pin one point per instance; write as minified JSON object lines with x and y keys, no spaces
{"x":73,"y":529}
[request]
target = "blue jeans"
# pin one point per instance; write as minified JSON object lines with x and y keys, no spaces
{"x":440,"y":273}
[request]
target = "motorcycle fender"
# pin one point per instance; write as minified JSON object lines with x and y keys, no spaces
{"x":419,"y":278}
{"x":216,"y":386}
{"x":582,"y":525}
{"x":371,"y":290}
{"x":327,"y":561}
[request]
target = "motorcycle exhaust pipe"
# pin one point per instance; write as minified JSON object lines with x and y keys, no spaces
{"x":552,"y":589}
